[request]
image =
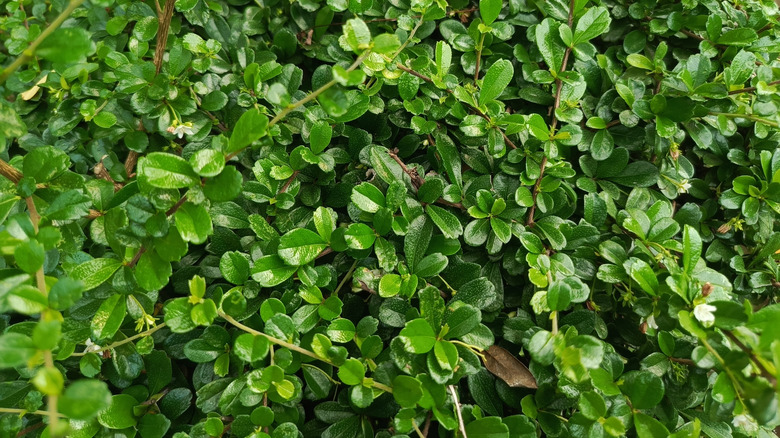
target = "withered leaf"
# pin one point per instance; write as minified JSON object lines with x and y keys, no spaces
{"x":508,"y":368}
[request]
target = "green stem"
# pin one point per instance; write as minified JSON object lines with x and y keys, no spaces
{"x":479,"y":57}
{"x":25,"y":411}
{"x":30,"y":51}
{"x":408,"y":40}
{"x":382,"y":386}
{"x":274,"y":340}
{"x":749,"y":117}
{"x":313,"y":95}
{"x":123,"y":341}
{"x":346,"y":277}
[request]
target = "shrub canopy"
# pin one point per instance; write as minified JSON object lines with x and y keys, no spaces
{"x":358,"y":219}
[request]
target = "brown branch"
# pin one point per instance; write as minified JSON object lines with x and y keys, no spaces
{"x":27,"y":430}
{"x":554,"y":124}
{"x":101,"y":172}
{"x":764,"y":372}
{"x":130,"y":162}
{"x":136,"y":257}
{"x":692,"y":35}
{"x":213,"y":118}
{"x":10,"y":173}
{"x":427,"y":426}
{"x":683,"y":361}
{"x":751,"y":89}
{"x":176,"y":206}
{"x":164,"y":19}
{"x":288,"y":182}
{"x":612,"y":123}
{"x":325,"y":252}
{"x":417,"y":181}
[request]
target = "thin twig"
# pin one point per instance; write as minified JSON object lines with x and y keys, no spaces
{"x":554,"y":124}
{"x":692,"y":35}
{"x":764,"y":372}
{"x":28,"y":53}
{"x":479,"y":57}
{"x":461,"y":425}
{"x":123,"y":341}
{"x":274,"y":340}
{"x":476,"y":110}
{"x":288,"y":182}
{"x":345,"y":279}
{"x":751,"y":89}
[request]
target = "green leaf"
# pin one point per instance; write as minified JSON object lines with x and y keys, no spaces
{"x":498,"y":76}
{"x":431,"y":265}
{"x":450,"y":157}
{"x":738,"y":37}
{"x":594,"y":23}
{"x":416,"y":240}
{"x":15,"y":350}
{"x":65,"y":45}
{"x":548,"y":41}
{"x":643,"y":388}
{"x":11,"y":125}
{"x":729,"y":315}
{"x":234,"y":267}
{"x":320,"y":136}
{"x":94,"y":272}
{"x":592,"y":405}
{"x":489,"y":427}
{"x":489,"y":10}
{"x":177,"y":315}
{"x":194,"y":223}
{"x":357,"y":35}
{"x":83,"y":399}
{"x":271,"y":270}
{"x":325,"y":222}
{"x":119,"y":414}
{"x":250,"y":127}
{"x":462,"y":321}
{"x":207,"y":162}
{"x":166,"y":171}
{"x":407,"y":391}
{"x":643,"y":274}
{"x":447,"y":222}
{"x":692,"y":247}
{"x":29,"y":256}
{"x":300,"y":246}
{"x":649,"y":427}
{"x":368,"y":198}
{"x":152,"y":272}
{"x":352,"y":372}
{"x":418,"y":336}
{"x":108,"y":317}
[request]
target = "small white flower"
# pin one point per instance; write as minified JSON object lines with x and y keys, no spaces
{"x":703,"y":312}
{"x":651,"y":322}
{"x":182,"y":129}
{"x":91,"y":346}
{"x":745,"y":422}
{"x":684,"y":186}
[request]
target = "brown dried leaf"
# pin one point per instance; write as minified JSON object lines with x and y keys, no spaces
{"x":508,"y":368}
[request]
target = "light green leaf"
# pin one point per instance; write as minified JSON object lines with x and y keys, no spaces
{"x":498,"y":76}
{"x":300,"y":246}
{"x":166,"y":171}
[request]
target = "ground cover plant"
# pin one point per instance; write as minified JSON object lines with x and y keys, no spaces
{"x":357,"y":218}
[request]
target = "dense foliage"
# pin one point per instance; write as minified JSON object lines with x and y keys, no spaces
{"x":365,"y":218}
